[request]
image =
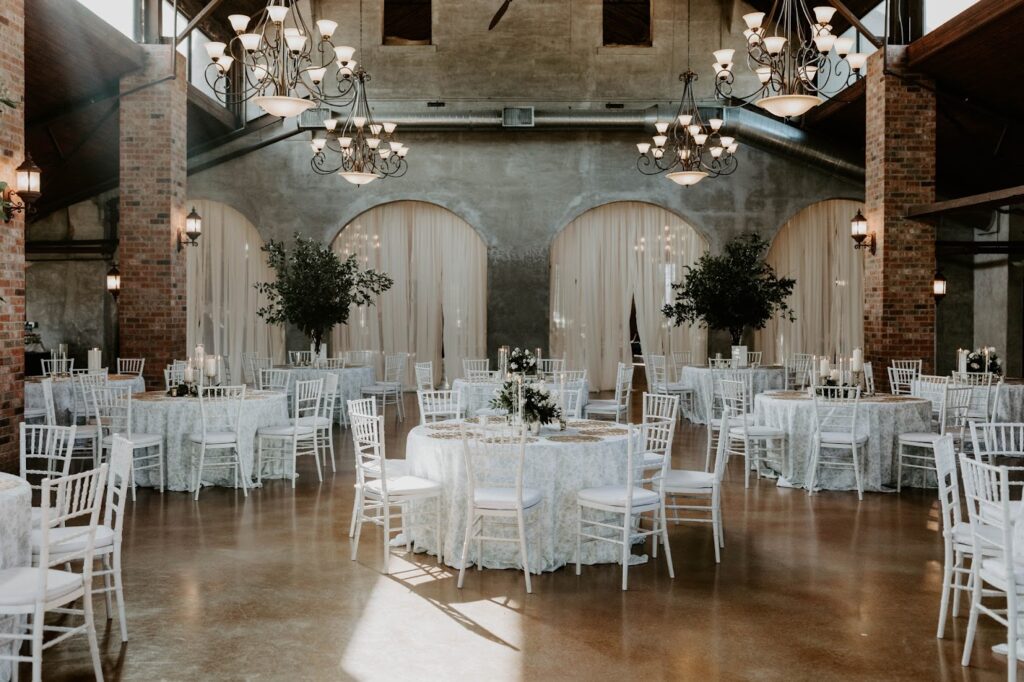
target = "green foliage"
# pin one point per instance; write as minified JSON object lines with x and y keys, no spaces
{"x":733,"y":291}
{"x":314,"y":288}
{"x":538,"y":405}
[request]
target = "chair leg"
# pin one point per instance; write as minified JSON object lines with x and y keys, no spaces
{"x":856,"y":473}
{"x":316,"y":458}
{"x":199,"y":472}
{"x":579,"y":536}
{"x":947,"y":585}
{"x":242,"y":473}
{"x":664,"y":539}
{"x":105,"y":561}
{"x":957,"y":583}
{"x":523,"y":551}
{"x":707,"y":454}
{"x":357,"y":508}
{"x":119,"y":594}
{"x":357,"y":522}
{"x":815,"y":450}
{"x":465,"y":548}
{"x":1011,"y":635}
{"x":626,"y":528}
{"x":437,"y":531}
{"x":899,"y":468}
{"x":972,"y":623}
{"x":329,"y":436}
{"x":386,"y":513}
{"x":90,"y":632}
{"x":37,"y":646}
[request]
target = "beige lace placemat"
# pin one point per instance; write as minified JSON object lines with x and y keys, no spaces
{"x":452,"y":435}
{"x":444,"y":426}
{"x":574,"y":438}
{"x":606,"y":431}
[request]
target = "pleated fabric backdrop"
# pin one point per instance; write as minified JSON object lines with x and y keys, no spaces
{"x":604,"y":262}
{"x":438,"y":303}
{"x":221,"y":297}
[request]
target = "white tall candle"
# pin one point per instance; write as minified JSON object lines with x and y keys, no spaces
{"x":857,"y":362}
{"x":95,"y":360}
{"x":211,"y":366}
{"x":823,"y":369}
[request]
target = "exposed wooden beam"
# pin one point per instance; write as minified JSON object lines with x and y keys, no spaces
{"x":1002,"y":197}
{"x":197,"y":19}
{"x":973,"y":19}
{"x":856,"y":23}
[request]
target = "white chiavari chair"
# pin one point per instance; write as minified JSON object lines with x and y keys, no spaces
{"x":44,"y":452}
{"x":629,"y":503}
{"x":112,"y":406}
{"x":680,"y":359}
{"x":573,"y":376}
{"x":439,"y":406}
{"x":798,"y":370}
{"x":754,"y":358}
{"x":300,"y":358}
{"x":495,"y":460}
{"x":173,"y":376}
{"x":659,"y":406}
{"x":274,"y":380}
{"x":286,"y":443}
{"x":57,"y":366}
{"x":571,"y":402}
{"x":901,"y":374}
{"x":481,"y":376}
{"x":131,"y":366}
{"x":324,"y":422}
{"x":220,"y":413}
{"x":389,"y":391}
{"x":367,"y":407}
{"x":549,"y":368}
{"x":932,"y":388}
{"x":953,"y":407}
{"x":835,"y":429}
{"x":994,"y":441}
{"x":869,"y":379}
{"x":248,"y":375}
{"x":256,"y":365}
{"x":82,"y":385}
{"x":378,"y":493}
{"x":424,"y":376}
{"x":617,"y":407}
{"x":658,"y":382}
{"x":70,"y":513}
{"x":762,"y":446}
{"x":331,"y":363}
{"x":48,"y":412}
{"x":720,"y":363}
{"x":982,"y":407}
{"x":475,"y":365}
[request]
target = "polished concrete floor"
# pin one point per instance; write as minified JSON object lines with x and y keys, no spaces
{"x":815,"y":588}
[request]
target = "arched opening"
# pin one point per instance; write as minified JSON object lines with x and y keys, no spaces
{"x":814,"y":248}
{"x":221,"y":297}
{"x":437,"y":308}
{"x":606,"y":261}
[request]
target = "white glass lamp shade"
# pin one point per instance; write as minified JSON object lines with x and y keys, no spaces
{"x":727,"y":141}
{"x":373,"y":142}
{"x":224,"y":63}
{"x":808,"y":73}
{"x":347,"y":69}
{"x":843,"y":46}
{"x":694,"y":129}
{"x":389,"y":127}
{"x":660,"y":140}
{"x":824,"y":42}
{"x":296,"y":42}
{"x":343,"y":54}
{"x":788,"y":106}
{"x":722,"y":70}
{"x":259,"y":71}
{"x":317,"y":144}
{"x":939,"y":286}
{"x":716,"y":151}
{"x":724,"y":56}
{"x":661,"y":127}
{"x":764,"y":73}
{"x":27,"y":179}
{"x":277,"y":13}
{"x":859,"y":227}
{"x":193,"y":225}
{"x":715,"y":123}
{"x":375,"y":128}
{"x":402,"y":151}
{"x":239,"y":22}
{"x":251,"y":41}
{"x":684,"y":153}
{"x":285,"y":107}
{"x":317,"y":75}
{"x":753,"y":20}
{"x":114,"y":280}
{"x":330,"y":124}
{"x":684,"y":119}
{"x":643,"y":147}
{"x":700,"y":138}
{"x":687,"y":178}
{"x":857,"y":60}
{"x":358,"y":121}
{"x":824,"y":14}
{"x":396,"y":145}
{"x":774,"y":44}
{"x":657,"y":152}
{"x":326,"y":27}
{"x":384,"y":153}
{"x":358,"y":178}
{"x":733,"y":147}
{"x":345,"y":142}
{"x":215,"y":50}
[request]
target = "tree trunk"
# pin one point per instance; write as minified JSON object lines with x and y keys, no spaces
{"x":737,"y":336}
{"x":317,"y":340}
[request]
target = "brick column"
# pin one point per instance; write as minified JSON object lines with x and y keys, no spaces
{"x":899,"y":310}
{"x":151,"y":308}
{"x":12,"y":235}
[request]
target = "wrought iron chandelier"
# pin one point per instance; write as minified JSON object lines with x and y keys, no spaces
{"x":795,"y":56}
{"x":686,"y":148}
{"x":360,"y":150}
{"x":276,"y":65}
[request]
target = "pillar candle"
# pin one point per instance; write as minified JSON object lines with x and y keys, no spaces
{"x":857,"y":362}
{"x":95,"y":360}
{"x":823,"y":369}
{"x":187,"y":378}
{"x":211,"y":366}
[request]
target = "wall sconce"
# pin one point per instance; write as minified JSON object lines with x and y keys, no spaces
{"x":26,"y":189}
{"x":193,"y":230}
{"x":860,"y":234}
{"x":939,"y":286}
{"x":114,"y":281}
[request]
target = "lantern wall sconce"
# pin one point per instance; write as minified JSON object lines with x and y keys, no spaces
{"x":859,"y":233}
{"x":24,"y":193}
{"x":189,"y":236}
{"x":114,"y":281}
{"x":939,"y":286}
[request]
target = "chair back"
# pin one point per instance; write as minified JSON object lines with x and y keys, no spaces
{"x":949,"y":486}
{"x":131,"y":365}
{"x":997,"y":439}
{"x":173,"y":376}
{"x":256,"y":365}
{"x":394,"y":368}
{"x":657,"y":373}
{"x":680,"y":359}
{"x":660,"y":407}
{"x":364,"y":407}
{"x":358,"y":358}
{"x":754,"y":358}
{"x":368,"y":445}
{"x":275,"y":380}
{"x":549,"y":367}
{"x":982,"y":403}
{"x":66,"y":502}
{"x":835,"y":409}
{"x":956,"y":403}
{"x":425,"y":376}
{"x":229,"y":399}
{"x":112,"y":408}
{"x":298,"y":358}
{"x":929,"y":386}
{"x":987,"y":496}
{"x":470,"y":365}
{"x":623,"y":385}
{"x":571,"y":401}
{"x":82,"y":386}
{"x":330,"y":395}
{"x":746,"y":379}
{"x":331,"y":363}
{"x":656,"y":436}
{"x":118,"y":481}
{"x":45,"y":452}
{"x":494,"y":455}
{"x":481,"y":376}
{"x":719,"y":363}
{"x":901,"y":374}
{"x":571,"y":376}
{"x":57,"y":366}
{"x":439,"y":405}
{"x":51,"y":407}
{"x":306,"y":399}
{"x":798,"y":370}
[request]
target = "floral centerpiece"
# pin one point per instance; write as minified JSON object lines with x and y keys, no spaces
{"x":984,"y":360}
{"x":522,"y":361}
{"x":538,"y":405}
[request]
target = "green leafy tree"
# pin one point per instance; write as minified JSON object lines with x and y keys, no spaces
{"x":314,"y":288}
{"x":733,"y":291}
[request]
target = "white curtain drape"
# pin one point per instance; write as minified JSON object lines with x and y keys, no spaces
{"x":221,"y":297}
{"x":437,"y":307}
{"x":815,"y":249}
{"x":602,"y":264}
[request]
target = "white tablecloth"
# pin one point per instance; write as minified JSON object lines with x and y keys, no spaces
{"x":558,"y":470}
{"x":175,"y":418}
{"x":883,"y":417}
{"x":15,"y":550}
{"x":699,"y":379}
{"x":1011,"y":401}
{"x":350,"y":383}
{"x":64,"y":394}
{"x":477,"y":395}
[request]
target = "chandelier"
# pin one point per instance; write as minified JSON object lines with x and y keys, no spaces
{"x":686,"y":148}
{"x":795,"y":56}
{"x":360,"y":150}
{"x":277,"y":66}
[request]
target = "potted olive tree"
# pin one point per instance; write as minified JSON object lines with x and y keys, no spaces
{"x":314,"y":288}
{"x":734,"y":291}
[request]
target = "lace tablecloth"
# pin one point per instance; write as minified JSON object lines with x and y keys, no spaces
{"x":64,"y":394}
{"x":882,"y":417}
{"x":558,"y":469}
{"x":15,"y":550}
{"x":1011,"y":401}
{"x":477,"y":395}
{"x":699,"y":379}
{"x":350,"y":384}
{"x":175,"y":418}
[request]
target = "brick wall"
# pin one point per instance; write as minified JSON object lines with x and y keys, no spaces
{"x":899,"y":310}
{"x":151,"y":308}
{"x":12,"y":235}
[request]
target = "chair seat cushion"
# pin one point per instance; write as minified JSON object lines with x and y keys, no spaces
{"x":615,"y":496}
{"x":504,"y":498}
{"x":684,"y":479}
{"x":403,"y":486}
{"x":757,"y":431}
{"x":318,"y":422}
{"x":994,"y":568}
{"x":138,"y":440}
{"x":678,"y":387}
{"x":285,"y":430}
{"x":20,"y":586}
{"x":214,"y":437}
{"x":925,"y":438}
{"x":653,"y":459}
{"x":843,"y":437}
{"x":603,"y":407}
{"x":382,"y":387}
{"x":962,"y":535}
{"x":76,"y":543}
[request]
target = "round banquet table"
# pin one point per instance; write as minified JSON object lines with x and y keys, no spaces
{"x":477,"y":395}
{"x":558,"y":469}
{"x":1011,"y":401}
{"x":15,"y":550}
{"x":698,"y":378}
{"x":883,"y":417}
{"x":350,"y":383}
{"x":175,"y":418}
{"x":64,"y":393}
